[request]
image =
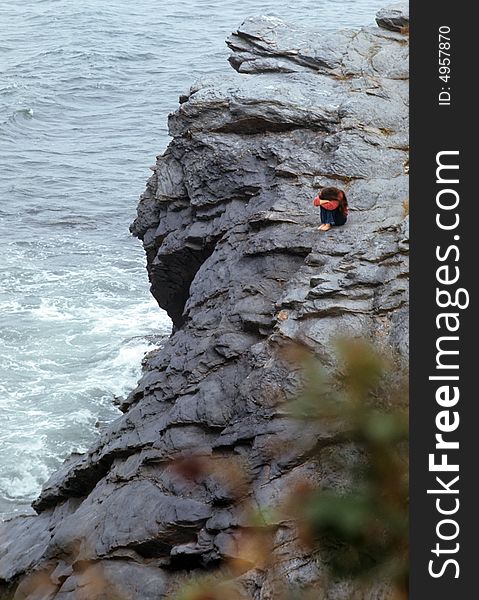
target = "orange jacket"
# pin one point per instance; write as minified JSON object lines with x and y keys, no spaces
{"x":329,"y":205}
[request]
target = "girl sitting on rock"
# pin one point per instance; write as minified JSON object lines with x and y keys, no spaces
{"x":334,"y":207}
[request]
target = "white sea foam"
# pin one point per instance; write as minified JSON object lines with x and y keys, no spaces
{"x":53,"y":398}
{"x":26,"y":483}
{"x":47,"y":311}
{"x":22,"y":477}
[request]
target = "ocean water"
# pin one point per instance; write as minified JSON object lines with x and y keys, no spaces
{"x":85,"y":90}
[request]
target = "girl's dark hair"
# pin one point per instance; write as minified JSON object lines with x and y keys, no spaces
{"x":332,"y":193}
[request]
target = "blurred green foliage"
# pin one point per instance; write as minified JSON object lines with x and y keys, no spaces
{"x":363,"y":528}
{"x":359,"y":524}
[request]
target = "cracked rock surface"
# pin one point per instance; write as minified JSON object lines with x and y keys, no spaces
{"x":235,"y":257}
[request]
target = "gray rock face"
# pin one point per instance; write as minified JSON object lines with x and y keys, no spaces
{"x":395,"y":17}
{"x":235,"y":257}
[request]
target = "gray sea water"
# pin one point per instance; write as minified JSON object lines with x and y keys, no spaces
{"x":85,"y":89}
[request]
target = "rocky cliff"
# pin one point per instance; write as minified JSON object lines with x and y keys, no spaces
{"x":235,"y":257}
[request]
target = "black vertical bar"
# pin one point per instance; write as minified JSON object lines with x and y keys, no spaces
{"x":443,"y":124}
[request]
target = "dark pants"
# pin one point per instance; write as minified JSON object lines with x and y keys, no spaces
{"x":333,"y":217}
